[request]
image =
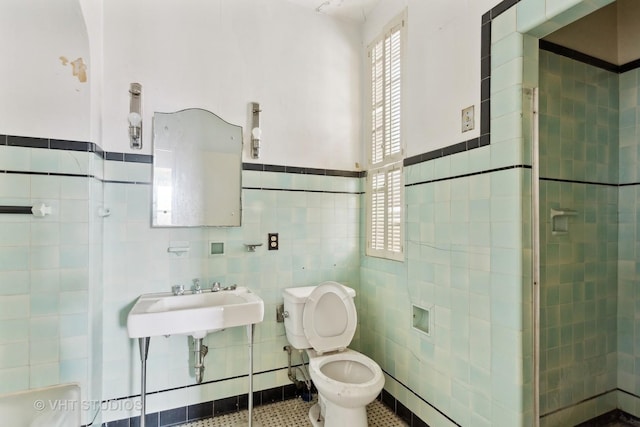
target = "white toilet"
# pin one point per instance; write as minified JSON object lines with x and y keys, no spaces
{"x":322,"y":320}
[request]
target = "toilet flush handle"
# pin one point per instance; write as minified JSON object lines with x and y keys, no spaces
{"x":281,"y":314}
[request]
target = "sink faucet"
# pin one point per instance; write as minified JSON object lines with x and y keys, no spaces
{"x":196,"y":286}
{"x":215,"y":287}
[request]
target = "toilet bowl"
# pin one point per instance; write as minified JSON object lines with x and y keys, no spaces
{"x":322,"y":320}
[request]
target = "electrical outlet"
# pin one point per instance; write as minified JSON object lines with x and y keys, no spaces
{"x":273,"y":241}
{"x":467,"y":119}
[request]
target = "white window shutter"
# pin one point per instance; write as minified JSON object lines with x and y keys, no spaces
{"x":385,"y":186}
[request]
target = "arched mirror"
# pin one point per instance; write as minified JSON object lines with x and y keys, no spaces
{"x":197,"y":170}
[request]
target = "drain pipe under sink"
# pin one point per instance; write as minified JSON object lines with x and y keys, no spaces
{"x":200,"y":351}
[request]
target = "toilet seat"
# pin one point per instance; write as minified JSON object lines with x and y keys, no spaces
{"x":329,"y":318}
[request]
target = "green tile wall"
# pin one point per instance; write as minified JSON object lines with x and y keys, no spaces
{"x":50,"y":284}
{"x":628,"y":244}
{"x":463,"y":261}
{"x":318,"y":221}
{"x":579,"y":171}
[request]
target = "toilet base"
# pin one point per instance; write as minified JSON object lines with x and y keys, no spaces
{"x":314,"y":416}
{"x":337,"y":416}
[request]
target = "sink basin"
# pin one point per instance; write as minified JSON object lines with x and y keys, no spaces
{"x":193,"y":314}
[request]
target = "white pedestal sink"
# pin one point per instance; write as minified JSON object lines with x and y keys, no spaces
{"x":195,"y":314}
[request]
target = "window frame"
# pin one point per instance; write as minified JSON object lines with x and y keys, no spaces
{"x":388,"y":241}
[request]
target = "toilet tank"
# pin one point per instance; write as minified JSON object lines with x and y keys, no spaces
{"x":294,"y":300}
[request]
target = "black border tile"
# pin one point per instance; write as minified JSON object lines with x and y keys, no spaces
{"x":295,"y":169}
{"x":343,"y":174}
{"x":473,"y":143}
{"x":454,"y":149}
{"x":108,"y":155}
{"x":578,"y":56}
{"x":61,"y":144}
{"x":274,"y":168}
{"x":252,"y":166}
{"x":417,"y":422}
{"x":290,"y":391}
{"x":138,"y":158}
{"x":24,"y":141}
{"x":485,"y":68}
{"x":119,"y":423}
{"x":485,"y":117}
{"x":630,"y":66}
{"x":243,"y":400}
{"x":485,"y":39}
{"x":151,"y":420}
{"x":388,"y":400}
{"x":502,"y":7}
{"x":485,"y":89}
{"x":413,"y":160}
{"x":403,"y":412}
{"x":301,"y":170}
{"x":173,"y":416}
{"x":272,"y":395}
{"x":199,"y":411}
{"x":315,"y":171}
{"x":225,"y":406}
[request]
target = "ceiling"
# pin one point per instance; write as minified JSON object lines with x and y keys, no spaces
{"x":611,"y":33}
{"x":353,"y":10}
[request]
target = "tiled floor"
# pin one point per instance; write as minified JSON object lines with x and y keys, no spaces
{"x":293,"y":413}
{"x":614,"y":418}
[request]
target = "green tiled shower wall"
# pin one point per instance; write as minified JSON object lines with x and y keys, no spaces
{"x":578,"y":270}
{"x":50,"y":270}
{"x":628,"y":245}
{"x":589,"y":133}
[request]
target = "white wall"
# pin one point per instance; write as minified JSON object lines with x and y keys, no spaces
{"x":442,"y":69}
{"x":303,"y":67}
{"x":40,"y":96}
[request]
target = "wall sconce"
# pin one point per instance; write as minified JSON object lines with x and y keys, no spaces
{"x":256,"y":132}
{"x":135,"y":116}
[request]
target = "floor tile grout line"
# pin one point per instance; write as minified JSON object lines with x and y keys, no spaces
{"x":294,"y":412}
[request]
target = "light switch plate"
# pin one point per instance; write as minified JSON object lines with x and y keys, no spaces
{"x":467,"y":119}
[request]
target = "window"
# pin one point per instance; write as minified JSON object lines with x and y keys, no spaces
{"x":385,"y":187}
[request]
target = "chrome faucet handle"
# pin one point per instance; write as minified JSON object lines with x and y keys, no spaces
{"x":230,"y":288}
{"x":177,"y":289}
{"x":196,"y":286}
{"x":215,"y":287}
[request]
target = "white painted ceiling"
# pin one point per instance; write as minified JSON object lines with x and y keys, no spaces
{"x":353,"y":10}
{"x":611,"y":33}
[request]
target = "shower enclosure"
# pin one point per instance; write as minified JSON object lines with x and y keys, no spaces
{"x":589,"y":362}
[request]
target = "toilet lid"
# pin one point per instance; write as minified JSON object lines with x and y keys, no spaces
{"x":329,"y":318}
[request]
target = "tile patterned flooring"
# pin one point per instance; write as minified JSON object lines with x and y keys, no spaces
{"x":294,"y":413}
